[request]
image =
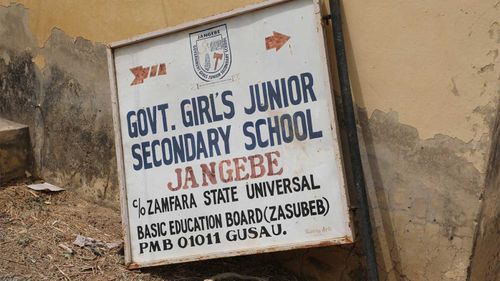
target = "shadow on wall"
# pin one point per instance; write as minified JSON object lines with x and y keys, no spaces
{"x":485,"y":264}
{"x":389,"y":262}
{"x":388,"y":257}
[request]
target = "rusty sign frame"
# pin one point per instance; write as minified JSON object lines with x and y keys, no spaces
{"x":129,"y":263}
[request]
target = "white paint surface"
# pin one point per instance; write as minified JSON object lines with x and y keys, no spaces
{"x":250,"y":64}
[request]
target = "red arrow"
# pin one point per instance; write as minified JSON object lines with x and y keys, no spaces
{"x":277,"y":40}
{"x":140,"y":73}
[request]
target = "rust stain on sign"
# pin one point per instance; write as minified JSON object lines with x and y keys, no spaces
{"x":333,"y":242}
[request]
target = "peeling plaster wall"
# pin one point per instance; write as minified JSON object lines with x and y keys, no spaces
{"x":66,"y":104}
{"x":425,"y":198}
{"x":426,"y":76}
{"x":433,"y":62}
{"x":426,"y":81}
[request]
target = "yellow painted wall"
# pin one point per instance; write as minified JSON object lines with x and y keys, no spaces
{"x":433,"y":62}
{"x":112,"y":20}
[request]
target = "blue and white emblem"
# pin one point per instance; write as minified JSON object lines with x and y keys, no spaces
{"x":211,"y":52}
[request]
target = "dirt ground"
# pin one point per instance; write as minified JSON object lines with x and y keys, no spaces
{"x":37,"y":230}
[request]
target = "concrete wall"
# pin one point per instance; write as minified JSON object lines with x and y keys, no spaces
{"x":426,"y":81}
{"x":486,"y":254}
{"x":61,"y":91}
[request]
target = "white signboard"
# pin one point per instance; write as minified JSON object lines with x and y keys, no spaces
{"x":227,"y":138}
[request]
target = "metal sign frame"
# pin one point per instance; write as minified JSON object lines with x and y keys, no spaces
{"x":130,"y":264}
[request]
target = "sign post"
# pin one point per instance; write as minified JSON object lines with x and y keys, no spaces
{"x":226,"y":137}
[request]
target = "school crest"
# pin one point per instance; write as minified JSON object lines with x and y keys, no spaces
{"x":211,"y":53}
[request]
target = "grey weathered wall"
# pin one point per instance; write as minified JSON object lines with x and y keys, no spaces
{"x":424,"y":198}
{"x":66,"y":105}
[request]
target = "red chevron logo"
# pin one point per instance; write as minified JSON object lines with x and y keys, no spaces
{"x":141,"y":73}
